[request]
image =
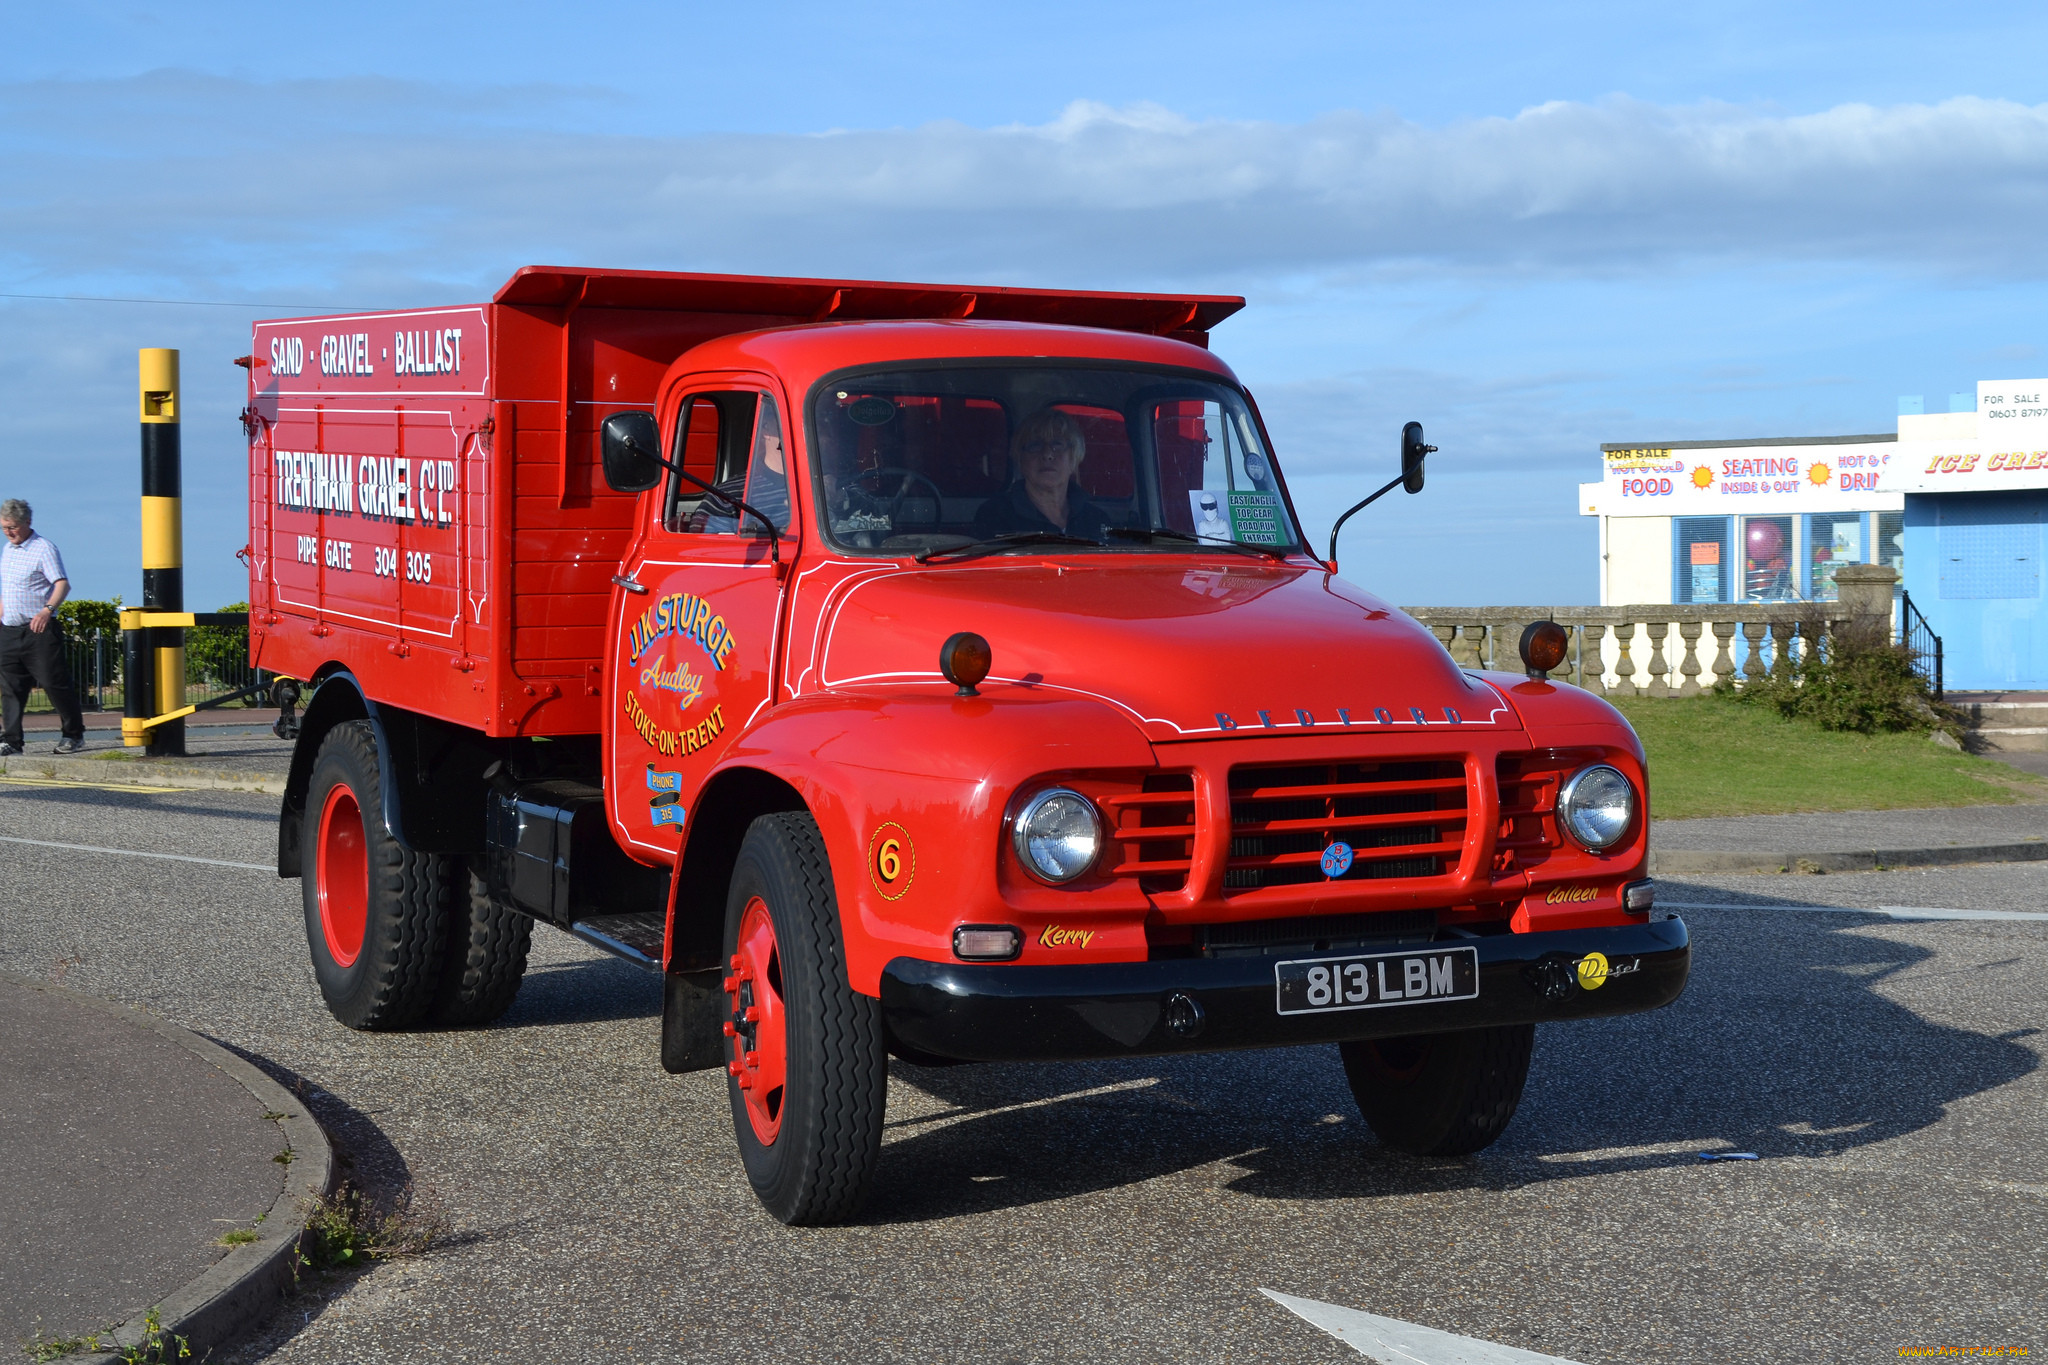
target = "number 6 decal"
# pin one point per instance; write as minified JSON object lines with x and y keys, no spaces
{"x":892,"y":862}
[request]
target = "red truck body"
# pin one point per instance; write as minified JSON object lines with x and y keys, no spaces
{"x":473,"y":547}
{"x":558,"y":673}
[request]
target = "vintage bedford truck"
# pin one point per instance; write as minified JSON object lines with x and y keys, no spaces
{"x":901,"y":669}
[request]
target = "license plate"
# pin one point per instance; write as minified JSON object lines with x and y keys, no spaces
{"x":1321,"y":984}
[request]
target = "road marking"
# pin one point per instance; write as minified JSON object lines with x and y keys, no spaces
{"x":1390,"y":1341}
{"x":90,"y":786}
{"x":1894,"y":911}
{"x":136,"y":853}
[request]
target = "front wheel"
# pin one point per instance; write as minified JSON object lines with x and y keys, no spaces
{"x":1440,"y":1094}
{"x":806,"y":1071}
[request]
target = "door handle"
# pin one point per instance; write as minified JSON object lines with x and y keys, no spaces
{"x":629,"y":583}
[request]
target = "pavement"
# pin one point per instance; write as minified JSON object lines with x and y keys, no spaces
{"x":132,"y":1147}
{"x":1849,"y":841}
{"x":231,"y":749}
{"x":1886,"y":1070}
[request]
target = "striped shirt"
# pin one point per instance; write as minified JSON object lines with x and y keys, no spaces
{"x":28,"y":573}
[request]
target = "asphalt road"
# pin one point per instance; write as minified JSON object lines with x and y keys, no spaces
{"x":1888,"y":1073}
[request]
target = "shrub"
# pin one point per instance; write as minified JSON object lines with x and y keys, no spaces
{"x":81,"y":616}
{"x":1842,"y":683}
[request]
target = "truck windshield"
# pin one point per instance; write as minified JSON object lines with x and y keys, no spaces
{"x":926,"y":461}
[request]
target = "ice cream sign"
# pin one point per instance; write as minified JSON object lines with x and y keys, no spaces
{"x":2004,"y":444}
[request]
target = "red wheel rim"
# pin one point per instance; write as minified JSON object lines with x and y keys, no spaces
{"x":343,"y":869}
{"x":759,"y":1065}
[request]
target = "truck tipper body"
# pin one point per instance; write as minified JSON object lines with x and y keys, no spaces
{"x":927,"y":670}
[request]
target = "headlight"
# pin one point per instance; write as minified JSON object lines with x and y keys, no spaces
{"x":1597,"y":807}
{"x":1057,"y":835}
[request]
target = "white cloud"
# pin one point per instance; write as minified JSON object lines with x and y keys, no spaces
{"x":1506,"y":280}
{"x":383,"y":185}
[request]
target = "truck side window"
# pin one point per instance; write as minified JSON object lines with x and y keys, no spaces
{"x":768,"y":469}
{"x":765,"y":483}
{"x":699,"y":444}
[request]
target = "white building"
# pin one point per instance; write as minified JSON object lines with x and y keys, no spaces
{"x":1743,"y":521}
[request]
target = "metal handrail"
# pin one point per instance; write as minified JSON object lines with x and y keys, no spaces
{"x":1916,"y":630}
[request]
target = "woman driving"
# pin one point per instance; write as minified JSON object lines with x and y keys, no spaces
{"x":1045,"y":452}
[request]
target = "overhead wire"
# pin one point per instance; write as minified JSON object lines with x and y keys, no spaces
{"x":188,"y":303}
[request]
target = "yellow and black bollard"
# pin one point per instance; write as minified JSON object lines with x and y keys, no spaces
{"x":155,"y":662}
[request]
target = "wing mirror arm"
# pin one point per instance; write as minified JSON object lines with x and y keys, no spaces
{"x":1410,"y":477}
{"x":1360,"y":506}
{"x":774,"y":536}
{"x":629,"y":467}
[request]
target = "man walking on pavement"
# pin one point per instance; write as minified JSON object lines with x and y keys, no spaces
{"x":32,"y":583}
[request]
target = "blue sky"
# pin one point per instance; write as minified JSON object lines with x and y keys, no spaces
{"x":1533,"y":229}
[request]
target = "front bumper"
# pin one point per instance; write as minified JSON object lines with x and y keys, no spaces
{"x":994,"y":1013}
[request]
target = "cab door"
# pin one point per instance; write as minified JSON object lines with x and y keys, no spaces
{"x":699,"y":616}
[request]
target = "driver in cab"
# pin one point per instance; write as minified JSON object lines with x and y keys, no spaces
{"x":1045,"y":451}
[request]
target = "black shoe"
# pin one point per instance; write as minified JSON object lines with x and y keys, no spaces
{"x":68,"y":745}
{"x":10,"y":751}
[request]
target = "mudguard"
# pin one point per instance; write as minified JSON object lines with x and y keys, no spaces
{"x":910,"y":790}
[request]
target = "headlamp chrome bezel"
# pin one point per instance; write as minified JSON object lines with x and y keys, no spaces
{"x":1570,"y":789}
{"x":1020,"y":837}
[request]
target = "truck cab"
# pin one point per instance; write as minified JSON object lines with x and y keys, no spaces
{"x":961,"y":686}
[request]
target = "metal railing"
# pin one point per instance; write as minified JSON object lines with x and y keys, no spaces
{"x":1917,"y":636}
{"x":216,"y":665}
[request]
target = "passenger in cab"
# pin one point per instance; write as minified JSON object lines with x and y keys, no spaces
{"x":765,"y":485}
{"x":1045,"y":452}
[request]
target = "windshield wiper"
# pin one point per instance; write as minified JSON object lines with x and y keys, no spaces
{"x":1009,"y":540}
{"x":1150,"y":533}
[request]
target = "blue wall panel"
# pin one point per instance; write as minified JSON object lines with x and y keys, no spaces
{"x":1973,"y":565}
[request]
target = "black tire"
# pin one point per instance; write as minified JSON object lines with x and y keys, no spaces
{"x":817,"y":1167}
{"x":400,"y":899}
{"x":485,"y":958}
{"x":1440,"y":1094}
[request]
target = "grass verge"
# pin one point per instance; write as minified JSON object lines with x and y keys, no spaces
{"x":1712,"y":756}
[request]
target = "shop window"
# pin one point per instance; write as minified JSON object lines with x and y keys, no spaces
{"x":1767,"y":559}
{"x":1891,"y":542}
{"x":1832,"y":540}
{"x":1701,"y":560}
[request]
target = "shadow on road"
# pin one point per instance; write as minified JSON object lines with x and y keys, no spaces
{"x":1783,"y":1045}
{"x":363,"y":1155}
{"x":154,"y":802}
{"x":597,"y":991}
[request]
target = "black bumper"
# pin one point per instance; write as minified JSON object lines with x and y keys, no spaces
{"x":995,"y":1013}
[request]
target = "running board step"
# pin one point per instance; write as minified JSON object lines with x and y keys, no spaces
{"x":635,"y":937}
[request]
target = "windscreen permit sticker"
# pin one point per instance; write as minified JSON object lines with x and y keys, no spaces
{"x":1249,"y":516}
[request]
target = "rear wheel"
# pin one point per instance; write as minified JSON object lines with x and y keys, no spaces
{"x":1440,"y":1094}
{"x":485,"y":957}
{"x":376,"y":914}
{"x":806,"y":1070}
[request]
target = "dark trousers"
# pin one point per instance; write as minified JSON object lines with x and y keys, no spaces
{"x":31,"y":659}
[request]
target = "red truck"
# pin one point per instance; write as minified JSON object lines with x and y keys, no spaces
{"x":901,"y":669}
